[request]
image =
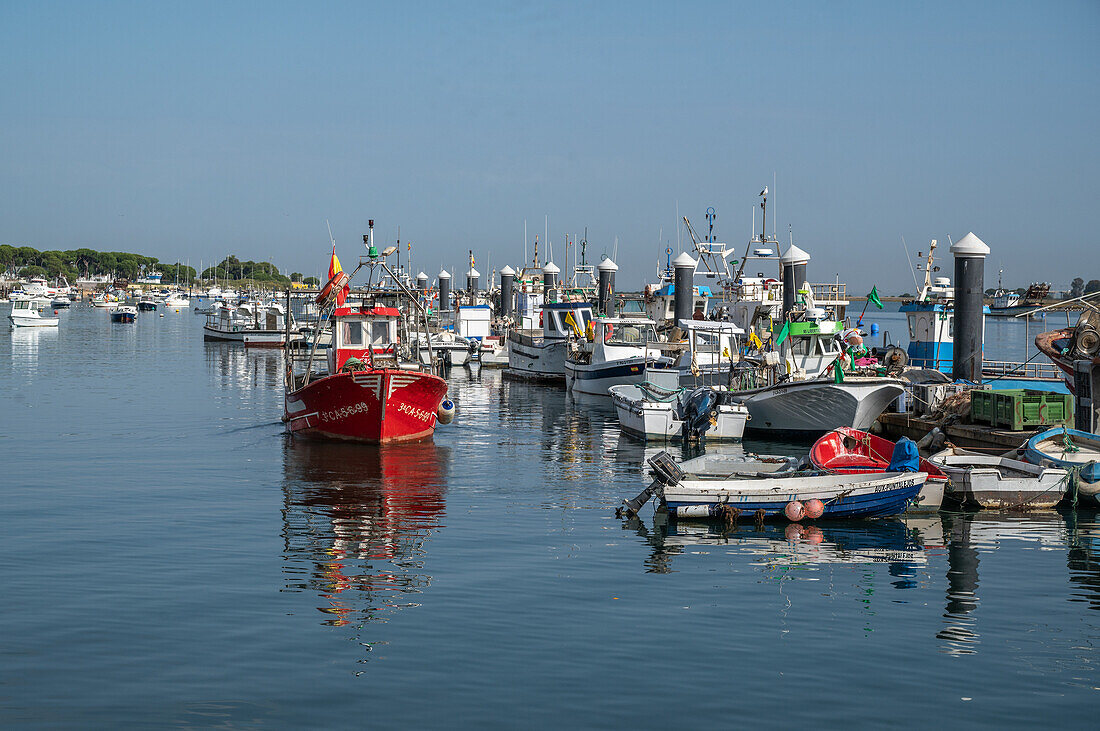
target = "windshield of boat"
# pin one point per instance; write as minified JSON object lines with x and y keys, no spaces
{"x":629,"y":334}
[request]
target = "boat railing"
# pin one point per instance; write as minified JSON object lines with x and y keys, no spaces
{"x":829,"y":292}
{"x":1005,"y":368}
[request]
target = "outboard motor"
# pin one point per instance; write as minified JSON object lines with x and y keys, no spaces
{"x":700,"y":408}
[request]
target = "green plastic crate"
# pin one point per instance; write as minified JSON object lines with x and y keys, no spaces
{"x":1018,"y":410}
{"x":981,"y":406}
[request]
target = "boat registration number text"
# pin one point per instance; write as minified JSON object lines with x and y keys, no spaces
{"x":415,"y":412}
{"x":344,"y":412}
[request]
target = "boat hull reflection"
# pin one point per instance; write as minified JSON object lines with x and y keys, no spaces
{"x":357,"y":521}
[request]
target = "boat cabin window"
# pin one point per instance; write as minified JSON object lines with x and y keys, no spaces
{"x":800,"y":346}
{"x":380,"y":332}
{"x":21,"y":305}
{"x":624,"y":334}
{"x":353,"y":332}
{"x":912,"y":318}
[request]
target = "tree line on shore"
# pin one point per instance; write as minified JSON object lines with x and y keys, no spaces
{"x":26,"y":262}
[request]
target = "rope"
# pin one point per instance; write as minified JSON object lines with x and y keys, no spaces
{"x":653,"y":392}
{"x":1014,"y":370}
{"x":1073,"y":480}
{"x":1068,"y":446}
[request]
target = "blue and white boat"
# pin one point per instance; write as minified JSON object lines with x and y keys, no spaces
{"x":842,"y":495}
{"x":621,"y":352}
{"x":124,"y":313}
{"x":729,"y":487}
{"x":1069,"y":449}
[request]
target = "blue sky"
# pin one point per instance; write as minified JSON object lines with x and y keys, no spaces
{"x":190,"y":130}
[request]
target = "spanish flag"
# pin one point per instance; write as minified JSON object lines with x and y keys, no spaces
{"x":334,"y":268}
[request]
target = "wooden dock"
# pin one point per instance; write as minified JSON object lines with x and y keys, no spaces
{"x":974,"y":436}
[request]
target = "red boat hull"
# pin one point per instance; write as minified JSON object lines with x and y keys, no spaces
{"x":858,"y":452}
{"x":383,"y":405}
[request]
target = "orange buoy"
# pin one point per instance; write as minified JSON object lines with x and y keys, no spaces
{"x":794,"y":511}
{"x":814,"y":509}
{"x":812,"y":534}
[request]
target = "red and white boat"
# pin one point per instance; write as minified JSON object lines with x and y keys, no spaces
{"x":367,"y":393}
{"x":852,"y":451}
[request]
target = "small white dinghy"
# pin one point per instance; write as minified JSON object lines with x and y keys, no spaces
{"x":25,"y":314}
{"x":652,"y":412}
{"x":988,"y":481}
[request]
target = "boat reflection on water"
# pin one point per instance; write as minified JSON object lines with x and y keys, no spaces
{"x":777,"y":547}
{"x":969,"y":535}
{"x":356,"y":523}
{"x":25,"y":342}
{"x":244,"y":368}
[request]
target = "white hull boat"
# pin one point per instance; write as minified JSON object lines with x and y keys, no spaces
{"x":842,"y":496}
{"x":820,"y":406}
{"x":447,"y":347}
{"x":176,"y":302}
{"x":988,"y":481}
{"x":493,"y":352}
{"x":25,"y":314}
{"x":541,"y":356}
{"x":535,"y":357}
{"x":642,"y":413}
{"x":247,"y":336}
{"x":620,"y":352}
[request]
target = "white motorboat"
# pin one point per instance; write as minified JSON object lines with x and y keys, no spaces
{"x":452,"y":349}
{"x":61,"y":301}
{"x":104,"y":300}
{"x":819,"y":406}
{"x":176,"y":301}
{"x":124,"y":313}
{"x":621,"y":351}
{"x":703,"y":356}
{"x":654,"y":413}
{"x":25,"y":314}
{"x":541,"y":356}
{"x":249,"y":325}
{"x":989,"y":481}
{"x":493,"y":352}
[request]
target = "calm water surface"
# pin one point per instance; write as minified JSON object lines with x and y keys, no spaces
{"x":169,"y":557}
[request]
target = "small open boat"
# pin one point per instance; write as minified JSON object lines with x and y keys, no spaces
{"x":763,"y":495}
{"x":989,"y":481}
{"x":652,"y":412}
{"x":1069,"y":449}
{"x":851,"y":451}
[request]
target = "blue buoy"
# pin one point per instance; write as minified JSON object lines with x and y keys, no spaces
{"x":874,"y":328}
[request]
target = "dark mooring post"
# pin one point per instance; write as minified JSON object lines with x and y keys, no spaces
{"x":549,"y":281}
{"x":969,"y":253}
{"x":794,"y":262}
{"x":444,"y":290}
{"x":606,"y":303}
{"x":683,"y":286}
{"x":473,"y":278}
{"x":507,"y":282}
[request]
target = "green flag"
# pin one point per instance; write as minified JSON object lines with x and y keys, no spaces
{"x":873,"y":297}
{"x":783,"y":332}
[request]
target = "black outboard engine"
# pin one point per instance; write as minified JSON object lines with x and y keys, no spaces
{"x":699,"y":412}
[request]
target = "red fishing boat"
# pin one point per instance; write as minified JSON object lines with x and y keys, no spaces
{"x":365,"y":391}
{"x":847,"y":450}
{"x":1081,"y":342}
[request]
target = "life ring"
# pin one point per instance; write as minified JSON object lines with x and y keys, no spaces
{"x":540,"y":318}
{"x":339,"y":279}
